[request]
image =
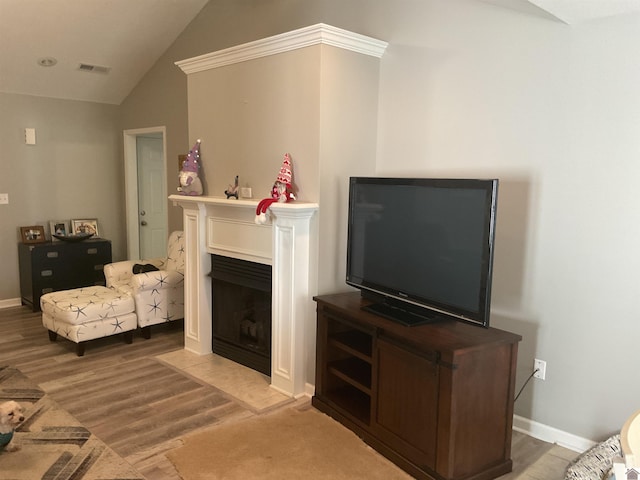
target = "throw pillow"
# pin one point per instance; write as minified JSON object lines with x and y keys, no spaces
{"x":597,"y":462}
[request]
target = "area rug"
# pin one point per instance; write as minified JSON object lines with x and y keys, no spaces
{"x":53,"y":444}
{"x":289,"y":444}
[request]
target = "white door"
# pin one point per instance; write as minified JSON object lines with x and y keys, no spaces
{"x":152,"y":199}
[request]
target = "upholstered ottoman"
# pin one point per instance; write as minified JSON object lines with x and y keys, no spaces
{"x":87,"y":313}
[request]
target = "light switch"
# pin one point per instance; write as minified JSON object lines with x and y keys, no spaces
{"x":30,"y":136}
{"x":4,"y":198}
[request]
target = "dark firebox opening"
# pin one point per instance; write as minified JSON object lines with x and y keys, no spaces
{"x":241,"y":312}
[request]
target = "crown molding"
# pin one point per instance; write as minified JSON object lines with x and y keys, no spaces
{"x":284,"y":42}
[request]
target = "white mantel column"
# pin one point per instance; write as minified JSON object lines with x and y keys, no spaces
{"x":292,"y":303}
{"x":198,"y":328}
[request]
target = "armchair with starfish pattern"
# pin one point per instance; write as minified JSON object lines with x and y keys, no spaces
{"x":158,"y":294}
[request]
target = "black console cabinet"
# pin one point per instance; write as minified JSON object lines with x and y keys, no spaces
{"x":52,"y":266}
{"x":435,"y":399}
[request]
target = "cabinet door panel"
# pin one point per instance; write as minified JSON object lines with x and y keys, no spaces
{"x":407,"y":402}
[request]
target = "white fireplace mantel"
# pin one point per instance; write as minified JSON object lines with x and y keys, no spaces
{"x":215,"y":225}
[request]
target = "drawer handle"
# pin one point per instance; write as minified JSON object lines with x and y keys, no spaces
{"x":47,"y":290}
{"x":98,"y":267}
{"x":52,"y":254}
{"x":46,"y":273}
{"x":92,"y":251}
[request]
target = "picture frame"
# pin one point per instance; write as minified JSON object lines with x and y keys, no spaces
{"x":85,"y":225}
{"x":58,"y":227}
{"x":32,"y":234}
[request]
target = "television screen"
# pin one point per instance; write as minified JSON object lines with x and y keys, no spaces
{"x":423,"y":247}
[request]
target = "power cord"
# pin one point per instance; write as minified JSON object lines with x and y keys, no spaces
{"x":525,"y":383}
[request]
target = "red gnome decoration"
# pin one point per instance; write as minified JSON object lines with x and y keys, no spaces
{"x":281,"y":192}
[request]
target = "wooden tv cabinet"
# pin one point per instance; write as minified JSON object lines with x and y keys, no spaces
{"x":436,"y":399}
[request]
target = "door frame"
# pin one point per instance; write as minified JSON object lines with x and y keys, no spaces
{"x":131,"y":184}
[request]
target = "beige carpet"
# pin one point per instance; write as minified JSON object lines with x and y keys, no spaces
{"x":53,"y":444}
{"x":287,"y":444}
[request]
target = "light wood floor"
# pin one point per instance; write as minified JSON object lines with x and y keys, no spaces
{"x":140,"y":406}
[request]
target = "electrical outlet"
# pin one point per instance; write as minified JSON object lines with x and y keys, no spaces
{"x":4,"y":198}
{"x":541,"y":367}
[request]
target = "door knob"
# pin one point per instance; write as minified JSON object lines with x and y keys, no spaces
{"x":143,"y":223}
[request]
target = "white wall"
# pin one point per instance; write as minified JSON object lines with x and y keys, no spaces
{"x":552,"y":110}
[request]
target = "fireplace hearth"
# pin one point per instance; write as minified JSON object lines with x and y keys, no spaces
{"x":241,"y":311}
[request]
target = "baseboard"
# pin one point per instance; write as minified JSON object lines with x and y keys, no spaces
{"x":309,"y":389}
{"x":551,"y":434}
{"x":10,"y":302}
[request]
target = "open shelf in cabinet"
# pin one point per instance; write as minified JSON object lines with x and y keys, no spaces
{"x":348,"y":372}
{"x":352,"y":401}
{"x":353,"y":371}
{"x":354,"y":342}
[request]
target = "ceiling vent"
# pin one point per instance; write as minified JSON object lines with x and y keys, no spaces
{"x":85,"y":67}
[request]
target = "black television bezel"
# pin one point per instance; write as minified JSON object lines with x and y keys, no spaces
{"x":430,"y":309}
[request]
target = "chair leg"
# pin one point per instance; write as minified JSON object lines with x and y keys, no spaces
{"x":128,"y":337}
{"x":146,"y":332}
{"x":80,"y":349}
{"x":52,"y":336}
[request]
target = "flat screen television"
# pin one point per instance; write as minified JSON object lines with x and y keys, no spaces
{"x":422,"y":248}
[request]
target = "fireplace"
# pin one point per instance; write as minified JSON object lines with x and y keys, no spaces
{"x":241,"y":311}
{"x":287,"y":245}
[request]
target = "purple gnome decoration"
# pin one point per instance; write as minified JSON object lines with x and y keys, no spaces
{"x":190,"y":183}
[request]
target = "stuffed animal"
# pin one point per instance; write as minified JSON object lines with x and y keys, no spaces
{"x":190,"y":183}
{"x":281,"y":192}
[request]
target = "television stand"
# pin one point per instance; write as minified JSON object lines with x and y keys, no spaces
{"x":435,"y":399}
{"x":400,"y":315}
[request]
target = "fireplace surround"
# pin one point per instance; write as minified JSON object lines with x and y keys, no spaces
{"x":219,"y":226}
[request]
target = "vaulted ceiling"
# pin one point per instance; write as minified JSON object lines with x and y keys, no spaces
{"x":571,"y":12}
{"x":102,"y":49}
{"x":122,"y":39}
